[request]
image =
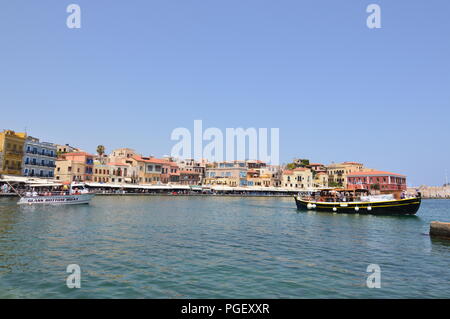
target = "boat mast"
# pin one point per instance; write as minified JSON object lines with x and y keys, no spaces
{"x":15,"y":191}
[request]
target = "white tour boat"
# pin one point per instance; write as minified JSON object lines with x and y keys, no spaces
{"x":76,"y":194}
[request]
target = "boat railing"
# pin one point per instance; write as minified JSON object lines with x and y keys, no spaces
{"x":350,"y":199}
{"x":53,"y":193}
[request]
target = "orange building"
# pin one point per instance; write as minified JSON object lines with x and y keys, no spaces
{"x":77,"y":166}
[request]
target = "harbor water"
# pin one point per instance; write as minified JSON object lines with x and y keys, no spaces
{"x":218,"y":247}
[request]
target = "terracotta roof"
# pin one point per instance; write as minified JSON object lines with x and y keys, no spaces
{"x":288,"y":172}
{"x":149,"y":159}
{"x":77,"y":154}
{"x":300,"y":169}
{"x":374,"y":173}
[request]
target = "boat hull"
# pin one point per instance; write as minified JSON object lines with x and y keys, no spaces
{"x":408,"y":206}
{"x":57,"y":200}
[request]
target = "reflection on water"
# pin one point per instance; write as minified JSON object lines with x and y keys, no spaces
{"x":217,"y":247}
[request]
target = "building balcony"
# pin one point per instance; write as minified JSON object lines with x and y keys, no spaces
{"x":14,"y":153}
{"x":42,"y":154}
{"x":40,"y":164}
{"x":12,"y":171}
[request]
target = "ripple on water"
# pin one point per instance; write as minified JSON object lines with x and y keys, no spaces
{"x":196,"y":247}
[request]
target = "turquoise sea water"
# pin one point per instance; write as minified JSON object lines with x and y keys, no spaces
{"x":218,"y":247}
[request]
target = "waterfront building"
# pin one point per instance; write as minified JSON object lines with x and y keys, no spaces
{"x":298,"y":178}
{"x":337,"y":173}
{"x":376,"y":180}
{"x":11,"y":152}
{"x":320,"y":179}
{"x":170,"y":172}
{"x":191,"y":165}
{"x":122,"y":172}
{"x":121,"y":155}
{"x":189,"y":177}
{"x":66,"y":148}
{"x":102,"y":173}
{"x":39,"y":158}
{"x":77,"y":166}
{"x":260,"y":178}
{"x":227,"y":174}
{"x":114,"y":173}
{"x":262,"y":175}
{"x":149,"y":169}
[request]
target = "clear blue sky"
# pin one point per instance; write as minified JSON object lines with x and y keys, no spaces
{"x":138,"y":69}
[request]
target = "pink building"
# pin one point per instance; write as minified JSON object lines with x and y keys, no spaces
{"x":384,"y":181}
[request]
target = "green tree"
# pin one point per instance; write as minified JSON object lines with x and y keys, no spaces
{"x":100,"y":150}
{"x":291,"y":166}
{"x":304,"y":162}
{"x":334,"y":184}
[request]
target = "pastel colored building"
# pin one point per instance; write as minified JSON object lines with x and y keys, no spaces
{"x":113,"y":173}
{"x":320,"y":180}
{"x":11,"y":152}
{"x":39,"y":158}
{"x":148,"y":169}
{"x":227,"y":174}
{"x":191,"y":165}
{"x":337,"y":173}
{"x":298,"y":178}
{"x":121,"y":155}
{"x":378,"y":180}
{"x":189,"y":177}
{"x":77,"y":166}
{"x":66,"y":148}
{"x":170,"y":172}
{"x":102,"y":173}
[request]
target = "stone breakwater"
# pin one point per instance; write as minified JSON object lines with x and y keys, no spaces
{"x":432,"y":191}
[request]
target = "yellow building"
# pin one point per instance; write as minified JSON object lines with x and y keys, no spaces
{"x":11,"y":152}
{"x":337,"y":173}
{"x":320,"y":180}
{"x":298,"y":178}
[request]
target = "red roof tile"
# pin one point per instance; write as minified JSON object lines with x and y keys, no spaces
{"x":149,"y":159}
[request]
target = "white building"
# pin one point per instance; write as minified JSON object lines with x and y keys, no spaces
{"x":39,"y":158}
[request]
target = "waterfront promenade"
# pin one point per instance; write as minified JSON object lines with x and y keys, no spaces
{"x":435,"y":192}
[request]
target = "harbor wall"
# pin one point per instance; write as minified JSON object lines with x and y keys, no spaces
{"x":431,"y":191}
